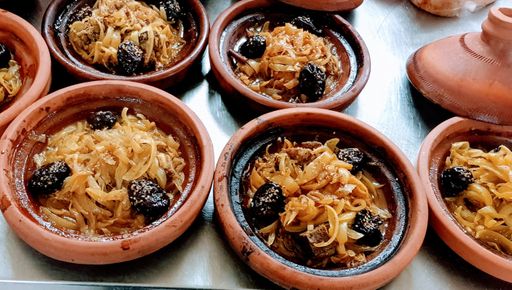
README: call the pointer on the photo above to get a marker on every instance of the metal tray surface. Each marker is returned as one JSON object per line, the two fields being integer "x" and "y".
{"x": 392, "y": 30}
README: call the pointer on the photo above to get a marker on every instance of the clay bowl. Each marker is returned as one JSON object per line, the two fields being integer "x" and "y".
{"x": 432, "y": 156}
{"x": 326, "y": 5}
{"x": 57, "y": 18}
{"x": 73, "y": 103}
{"x": 31, "y": 53}
{"x": 449, "y": 8}
{"x": 230, "y": 27}
{"x": 403, "y": 191}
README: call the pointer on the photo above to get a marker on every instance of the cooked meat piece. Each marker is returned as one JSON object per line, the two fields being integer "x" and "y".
{"x": 311, "y": 144}
{"x": 320, "y": 234}
{"x": 302, "y": 155}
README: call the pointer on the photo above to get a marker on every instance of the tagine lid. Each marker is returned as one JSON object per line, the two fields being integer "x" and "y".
{"x": 469, "y": 74}
{"x": 325, "y": 5}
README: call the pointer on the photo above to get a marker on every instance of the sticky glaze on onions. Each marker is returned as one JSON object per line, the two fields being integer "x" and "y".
{"x": 320, "y": 191}
{"x": 10, "y": 81}
{"x": 94, "y": 199}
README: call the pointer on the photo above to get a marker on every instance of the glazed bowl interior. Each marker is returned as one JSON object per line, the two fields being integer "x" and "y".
{"x": 60, "y": 15}
{"x": 22, "y": 140}
{"x": 31, "y": 53}
{"x": 431, "y": 162}
{"x": 230, "y": 31}
{"x": 387, "y": 165}
{"x": 378, "y": 167}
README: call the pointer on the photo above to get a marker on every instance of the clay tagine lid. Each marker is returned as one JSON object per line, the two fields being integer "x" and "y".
{"x": 469, "y": 74}
{"x": 325, "y": 5}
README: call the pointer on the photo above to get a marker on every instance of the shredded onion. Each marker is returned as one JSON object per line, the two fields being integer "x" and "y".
{"x": 10, "y": 81}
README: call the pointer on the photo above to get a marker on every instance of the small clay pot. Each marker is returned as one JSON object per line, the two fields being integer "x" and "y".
{"x": 57, "y": 18}
{"x": 231, "y": 26}
{"x": 31, "y": 53}
{"x": 326, "y": 5}
{"x": 469, "y": 74}
{"x": 431, "y": 162}
{"x": 450, "y": 8}
{"x": 18, "y": 146}
{"x": 404, "y": 195}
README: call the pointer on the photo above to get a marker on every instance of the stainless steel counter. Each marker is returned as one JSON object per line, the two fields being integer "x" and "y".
{"x": 392, "y": 29}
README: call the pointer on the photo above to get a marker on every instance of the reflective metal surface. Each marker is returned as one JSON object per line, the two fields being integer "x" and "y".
{"x": 392, "y": 29}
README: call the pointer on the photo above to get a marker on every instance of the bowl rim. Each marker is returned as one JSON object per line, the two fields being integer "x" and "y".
{"x": 170, "y": 229}
{"x": 219, "y": 67}
{"x": 286, "y": 276}
{"x": 443, "y": 223}
{"x": 89, "y": 73}
{"x": 42, "y": 80}
{"x": 326, "y": 5}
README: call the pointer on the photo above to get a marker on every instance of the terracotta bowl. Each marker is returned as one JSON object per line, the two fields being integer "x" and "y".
{"x": 326, "y": 5}
{"x": 56, "y": 20}
{"x": 231, "y": 25}
{"x": 73, "y": 103}
{"x": 403, "y": 191}
{"x": 31, "y": 53}
{"x": 432, "y": 156}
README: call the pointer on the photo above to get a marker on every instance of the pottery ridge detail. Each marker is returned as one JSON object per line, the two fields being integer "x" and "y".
{"x": 469, "y": 74}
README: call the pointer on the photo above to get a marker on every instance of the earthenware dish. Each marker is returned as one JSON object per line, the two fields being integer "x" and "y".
{"x": 406, "y": 200}
{"x": 326, "y": 5}
{"x": 231, "y": 26}
{"x": 432, "y": 156}
{"x": 56, "y": 21}
{"x": 469, "y": 74}
{"x": 62, "y": 107}
{"x": 31, "y": 53}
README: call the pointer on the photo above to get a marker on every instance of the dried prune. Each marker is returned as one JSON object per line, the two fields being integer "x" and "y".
{"x": 5, "y": 55}
{"x": 130, "y": 58}
{"x": 306, "y": 23}
{"x": 352, "y": 156}
{"x": 368, "y": 225}
{"x": 148, "y": 198}
{"x": 268, "y": 201}
{"x": 49, "y": 178}
{"x": 102, "y": 120}
{"x": 173, "y": 9}
{"x": 80, "y": 14}
{"x": 254, "y": 47}
{"x": 455, "y": 179}
{"x": 312, "y": 82}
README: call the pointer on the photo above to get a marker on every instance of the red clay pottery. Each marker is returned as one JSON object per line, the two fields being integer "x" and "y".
{"x": 450, "y": 7}
{"x": 469, "y": 74}
{"x": 31, "y": 52}
{"x": 65, "y": 106}
{"x": 407, "y": 201}
{"x": 55, "y": 23}
{"x": 431, "y": 162}
{"x": 230, "y": 27}
{"x": 326, "y": 5}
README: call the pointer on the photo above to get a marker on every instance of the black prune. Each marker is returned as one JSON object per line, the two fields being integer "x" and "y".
{"x": 306, "y": 23}
{"x": 49, "y": 178}
{"x": 368, "y": 225}
{"x": 130, "y": 58}
{"x": 268, "y": 201}
{"x": 148, "y": 198}
{"x": 80, "y": 14}
{"x": 102, "y": 120}
{"x": 352, "y": 156}
{"x": 5, "y": 55}
{"x": 173, "y": 9}
{"x": 455, "y": 179}
{"x": 254, "y": 47}
{"x": 312, "y": 82}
